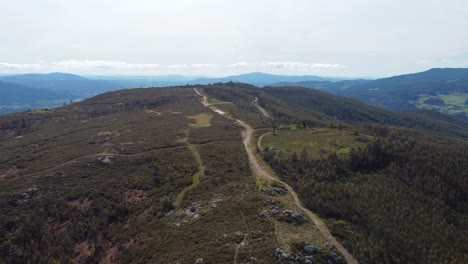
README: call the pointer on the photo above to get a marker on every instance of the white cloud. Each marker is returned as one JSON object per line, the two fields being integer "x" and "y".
{"x": 200, "y": 65}
{"x": 102, "y": 64}
{"x": 300, "y": 65}
{"x": 203, "y": 65}
{"x": 175, "y": 66}
{"x": 15, "y": 66}
{"x": 121, "y": 67}
{"x": 238, "y": 64}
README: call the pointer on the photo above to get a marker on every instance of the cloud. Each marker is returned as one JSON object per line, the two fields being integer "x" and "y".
{"x": 175, "y": 66}
{"x": 15, "y": 66}
{"x": 77, "y": 65}
{"x": 300, "y": 65}
{"x": 201, "y": 65}
{"x": 120, "y": 67}
{"x": 238, "y": 64}
{"x": 102, "y": 64}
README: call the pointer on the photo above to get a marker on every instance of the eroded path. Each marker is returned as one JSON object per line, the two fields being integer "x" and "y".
{"x": 262, "y": 171}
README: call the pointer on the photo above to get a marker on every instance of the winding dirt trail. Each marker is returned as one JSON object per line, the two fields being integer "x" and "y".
{"x": 262, "y": 171}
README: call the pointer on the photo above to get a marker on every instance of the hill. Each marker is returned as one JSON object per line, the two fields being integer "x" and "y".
{"x": 15, "y": 98}
{"x": 443, "y": 90}
{"x": 36, "y": 91}
{"x": 17, "y": 94}
{"x": 352, "y": 111}
{"x": 261, "y": 79}
{"x": 73, "y": 85}
{"x": 146, "y": 81}
{"x": 390, "y": 194}
{"x": 141, "y": 175}
{"x": 154, "y": 175}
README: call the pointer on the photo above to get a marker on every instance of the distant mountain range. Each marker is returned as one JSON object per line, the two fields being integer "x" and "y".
{"x": 263, "y": 79}
{"x": 443, "y": 90}
{"x": 33, "y": 91}
{"x": 69, "y": 84}
{"x": 12, "y": 93}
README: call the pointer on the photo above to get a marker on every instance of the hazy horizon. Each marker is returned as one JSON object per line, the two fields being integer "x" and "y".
{"x": 349, "y": 39}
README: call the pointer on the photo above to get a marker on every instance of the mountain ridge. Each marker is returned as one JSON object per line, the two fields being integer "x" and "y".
{"x": 442, "y": 89}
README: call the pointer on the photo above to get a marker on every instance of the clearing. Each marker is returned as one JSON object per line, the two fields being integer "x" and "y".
{"x": 318, "y": 142}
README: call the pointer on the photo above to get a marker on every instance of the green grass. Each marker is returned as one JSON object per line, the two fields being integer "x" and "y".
{"x": 318, "y": 142}
{"x": 196, "y": 176}
{"x": 453, "y": 103}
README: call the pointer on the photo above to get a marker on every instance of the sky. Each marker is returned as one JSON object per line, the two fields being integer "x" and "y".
{"x": 346, "y": 38}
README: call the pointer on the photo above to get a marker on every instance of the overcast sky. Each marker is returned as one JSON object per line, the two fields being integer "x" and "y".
{"x": 212, "y": 37}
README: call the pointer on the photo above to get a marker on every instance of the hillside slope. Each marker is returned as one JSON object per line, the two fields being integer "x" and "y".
{"x": 389, "y": 194}
{"x": 444, "y": 90}
{"x": 73, "y": 85}
{"x": 15, "y": 98}
{"x": 142, "y": 176}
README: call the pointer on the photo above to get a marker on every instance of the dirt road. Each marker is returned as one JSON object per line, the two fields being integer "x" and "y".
{"x": 262, "y": 171}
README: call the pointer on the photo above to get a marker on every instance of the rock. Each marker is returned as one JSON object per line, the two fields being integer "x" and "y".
{"x": 194, "y": 207}
{"x": 255, "y": 232}
{"x": 24, "y": 197}
{"x": 310, "y": 250}
{"x": 280, "y": 190}
{"x": 278, "y": 251}
{"x": 287, "y": 212}
{"x": 275, "y": 211}
{"x": 107, "y": 160}
{"x": 215, "y": 202}
{"x": 239, "y": 233}
{"x": 199, "y": 261}
{"x": 289, "y": 216}
{"x": 31, "y": 190}
{"x": 299, "y": 218}
{"x": 329, "y": 245}
{"x": 195, "y": 216}
{"x": 171, "y": 212}
{"x": 271, "y": 201}
{"x": 263, "y": 213}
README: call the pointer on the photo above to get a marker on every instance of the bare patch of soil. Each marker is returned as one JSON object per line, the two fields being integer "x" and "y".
{"x": 135, "y": 196}
{"x": 82, "y": 251}
{"x": 81, "y": 204}
{"x": 202, "y": 120}
{"x": 11, "y": 173}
